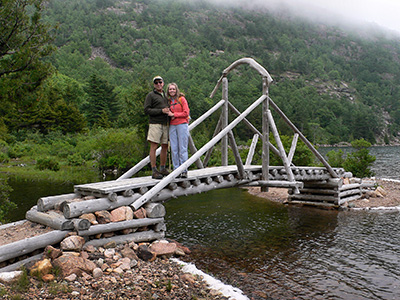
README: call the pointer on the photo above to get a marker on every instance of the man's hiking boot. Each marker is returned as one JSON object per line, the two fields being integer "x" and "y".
{"x": 157, "y": 175}
{"x": 164, "y": 172}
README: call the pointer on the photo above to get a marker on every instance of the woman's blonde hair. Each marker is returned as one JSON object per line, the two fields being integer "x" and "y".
{"x": 178, "y": 92}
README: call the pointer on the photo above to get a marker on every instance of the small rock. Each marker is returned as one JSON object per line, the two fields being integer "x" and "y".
{"x": 179, "y": 252}
{"x": 111, "y": 244}
{"x": 89, "y": 248}
{"x": 128, "y": 252}
{"x": 72, "y": 243}
{"x": 74, "y": 265}
{"x": 140, "y": 213}
{"x": 90, "y": 217}
{"x": 103, "y": 216}
{"x": 41, "y": 268}
{"x": 118, "y": 271}
{"x": 122, "y": 213}
{"x": 71, "y": 278}
{"x": 125, "y": 263}
{"x": 163, "y": 248}
{"x": 381, "y": 191}
{"x": 48, "y": 277}
{"x": 52, "y": 252}
{"x": 8, "y": 277}
{"x": 109, "y": 253}
{"x": 97, "y": 273}
{"x": 145, "y": 254}
{"x": 189, "y": 278}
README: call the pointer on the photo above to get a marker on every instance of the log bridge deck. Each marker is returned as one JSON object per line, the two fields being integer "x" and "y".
{"x": 203, "y": 180}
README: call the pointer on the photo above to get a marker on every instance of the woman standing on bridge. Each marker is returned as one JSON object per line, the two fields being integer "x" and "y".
{"x": 179, "y": 126}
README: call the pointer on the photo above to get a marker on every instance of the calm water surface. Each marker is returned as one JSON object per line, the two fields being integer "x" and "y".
{"x": 271, "y": 251}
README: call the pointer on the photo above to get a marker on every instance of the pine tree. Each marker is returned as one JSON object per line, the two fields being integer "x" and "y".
{"x": 102, "y": 100}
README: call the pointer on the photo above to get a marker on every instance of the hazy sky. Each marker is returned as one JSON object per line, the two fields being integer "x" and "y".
{"x": 385, "y": 13}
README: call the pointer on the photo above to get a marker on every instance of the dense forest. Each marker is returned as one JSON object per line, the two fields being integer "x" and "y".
{"x": 78, "y": 66}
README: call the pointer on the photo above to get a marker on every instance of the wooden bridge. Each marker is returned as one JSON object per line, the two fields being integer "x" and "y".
{"x": 319, "y": 186}
{"x": 313, "y": 186}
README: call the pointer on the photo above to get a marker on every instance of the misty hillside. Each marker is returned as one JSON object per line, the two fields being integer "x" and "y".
{"x": 335, "y": 85}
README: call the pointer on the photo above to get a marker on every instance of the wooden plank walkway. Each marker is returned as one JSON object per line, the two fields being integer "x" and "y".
{"x": 275, "y": 173}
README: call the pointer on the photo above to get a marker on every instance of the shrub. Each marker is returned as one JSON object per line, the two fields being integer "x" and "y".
{"x": 47, "y": 163}
{"x": 336, "y": 159}
{"x": 360, "y": 161}
{"x": 75, "y": 160}
{"x": 5, "y": 204}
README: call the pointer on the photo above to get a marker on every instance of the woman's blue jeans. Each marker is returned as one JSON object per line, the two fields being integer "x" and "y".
{"x": 179, "y": 137}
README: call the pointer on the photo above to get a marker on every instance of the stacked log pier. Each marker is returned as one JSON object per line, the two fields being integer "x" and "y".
{"x": 329, "y": 193}
{"x": 118, "y": 224}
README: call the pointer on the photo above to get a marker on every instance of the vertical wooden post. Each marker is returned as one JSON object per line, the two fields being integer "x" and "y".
{"x": 224, "y": 115}
{"x": 265, "y": 135}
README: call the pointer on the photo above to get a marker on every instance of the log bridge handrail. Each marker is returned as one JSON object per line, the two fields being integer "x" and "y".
{"x": 223, "y": 133}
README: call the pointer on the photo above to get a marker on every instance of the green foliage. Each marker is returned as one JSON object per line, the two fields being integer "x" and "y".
{"x": 101, "y": 107}
{"x": 302, "y": 156}
{"x": 118, "y": 149}
{"x": 335, "y": 158}
{"x": 24, "y": 42}
{"x": 48, "y": 163}
{"x": 75, "y": 160}
{"x": 6, "y": 206}
{"x": 22, "y": 284}
{"x": 360, "y": 161}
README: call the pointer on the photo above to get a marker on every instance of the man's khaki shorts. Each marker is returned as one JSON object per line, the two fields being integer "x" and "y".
{"x": 158, "y": 133}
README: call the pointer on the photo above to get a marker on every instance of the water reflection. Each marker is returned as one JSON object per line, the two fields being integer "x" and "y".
{"x": 272, "y": 251}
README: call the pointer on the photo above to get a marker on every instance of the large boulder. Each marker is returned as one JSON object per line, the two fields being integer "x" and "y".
{"x": 74, "y": 265}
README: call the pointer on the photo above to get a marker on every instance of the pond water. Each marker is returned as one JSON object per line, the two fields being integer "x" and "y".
{"x": 272, "y": 251}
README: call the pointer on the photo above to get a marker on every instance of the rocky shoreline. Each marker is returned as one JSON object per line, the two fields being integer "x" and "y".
{"x": 126, "y": 271}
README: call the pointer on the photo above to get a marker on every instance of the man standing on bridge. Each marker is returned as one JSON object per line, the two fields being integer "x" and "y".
{"x": 156, "y": 106}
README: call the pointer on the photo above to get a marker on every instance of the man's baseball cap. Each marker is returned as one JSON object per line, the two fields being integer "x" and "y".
{"x": 158, "y": 78}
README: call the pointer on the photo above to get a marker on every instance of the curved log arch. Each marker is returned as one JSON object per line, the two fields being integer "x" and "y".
{"x": 246, "y": 60}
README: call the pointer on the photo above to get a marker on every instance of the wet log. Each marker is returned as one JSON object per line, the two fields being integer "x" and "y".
{"x": 116, "y": 226}
{"x": 50, "y": 218}
{"x": 154, "y": 210}
{"x": 348, "y": 199}
{"x": 317, "y": 198}
{"x": 278, "y": 184}
{"x": 49, "y": 203}
{"x": 29, "y": 245}
{"x": 143, "y": 236}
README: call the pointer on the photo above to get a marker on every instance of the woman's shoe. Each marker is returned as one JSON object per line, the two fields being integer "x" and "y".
{"x": 184, "y": 175}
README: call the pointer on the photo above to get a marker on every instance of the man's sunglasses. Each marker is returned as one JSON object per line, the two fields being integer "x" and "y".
{"x": 157, "y": 82}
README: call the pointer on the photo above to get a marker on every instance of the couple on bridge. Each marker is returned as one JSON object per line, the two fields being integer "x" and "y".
{"x": 168, "y": 118}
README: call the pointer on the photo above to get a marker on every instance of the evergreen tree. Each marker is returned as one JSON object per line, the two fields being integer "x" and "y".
{"x": 102, "y": 102}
